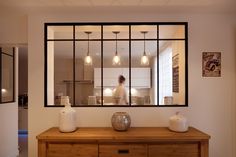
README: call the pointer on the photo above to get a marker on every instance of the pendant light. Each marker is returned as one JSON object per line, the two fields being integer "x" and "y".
{"x": 88, "y": 59}
{"x": 144, "y": 58}
{"x": 116, "y": 58}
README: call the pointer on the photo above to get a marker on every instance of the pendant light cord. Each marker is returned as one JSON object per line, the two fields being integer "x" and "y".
{"x": 116, "y": 32}
{"x": 88, "y": 45}
{"x": 116, "y": 44}
{"x": 144, "y": 43}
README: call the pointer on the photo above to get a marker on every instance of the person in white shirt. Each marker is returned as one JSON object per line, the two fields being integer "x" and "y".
{"x": 120, "y": 94}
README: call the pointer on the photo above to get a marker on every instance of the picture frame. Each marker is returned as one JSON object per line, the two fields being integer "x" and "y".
{"x": 175, "y": 73}
{"x": 211, "y": 64}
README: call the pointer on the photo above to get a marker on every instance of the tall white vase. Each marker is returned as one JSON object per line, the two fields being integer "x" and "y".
{"x": 67, "y": 117}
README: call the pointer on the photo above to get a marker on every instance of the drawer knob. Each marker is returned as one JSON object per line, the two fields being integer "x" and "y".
{"x": 123, "y": 151}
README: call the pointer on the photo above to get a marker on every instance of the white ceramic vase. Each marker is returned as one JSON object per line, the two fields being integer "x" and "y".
{"x": 67, "y": 117}
{"x": 178, "y": 123}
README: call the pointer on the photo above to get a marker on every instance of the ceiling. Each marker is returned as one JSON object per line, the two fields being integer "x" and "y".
{"x": 25, "y": 7}
{"x": 92, "y": 3}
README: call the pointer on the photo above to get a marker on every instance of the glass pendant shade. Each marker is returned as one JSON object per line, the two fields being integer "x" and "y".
{"x": 116, "y": 59}
{"x": 88, "y": 59}
{"x": 144, "y": 58}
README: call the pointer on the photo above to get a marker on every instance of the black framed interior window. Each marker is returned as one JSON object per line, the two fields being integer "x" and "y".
{"x": 7, "y": 74}
{"x": 116, "y": 64}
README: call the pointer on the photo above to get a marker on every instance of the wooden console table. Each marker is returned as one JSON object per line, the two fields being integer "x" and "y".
{"x": 136, "y": 142}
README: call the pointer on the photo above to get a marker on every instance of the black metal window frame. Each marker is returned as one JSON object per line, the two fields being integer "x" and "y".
{"x": 13, "y": 57}
{"x": 129, "y": 24}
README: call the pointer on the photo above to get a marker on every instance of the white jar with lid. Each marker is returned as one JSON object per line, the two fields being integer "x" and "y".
{"x": 67, "y": 117}
{"x": 178, "y": 123}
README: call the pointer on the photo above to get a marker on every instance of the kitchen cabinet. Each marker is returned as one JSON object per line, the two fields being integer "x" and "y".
{"x": 136, "y": 142}
{"x": 140, "y": 77}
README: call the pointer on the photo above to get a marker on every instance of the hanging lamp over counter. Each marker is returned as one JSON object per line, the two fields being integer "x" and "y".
{"x": 144, "y": 58}
{"x": 116, "y": 59}
{"x": 88, "y": 59}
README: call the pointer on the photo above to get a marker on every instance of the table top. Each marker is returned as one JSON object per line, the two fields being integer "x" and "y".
{"x": 134, "y": 133}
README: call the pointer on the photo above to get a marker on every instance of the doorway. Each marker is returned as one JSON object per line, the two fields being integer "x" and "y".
{"x": 23, "y": 101}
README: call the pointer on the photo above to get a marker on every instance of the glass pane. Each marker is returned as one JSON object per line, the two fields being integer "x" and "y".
{"x": 108, "y": 32}
{"x": 7, "y": 78}
{"x": 115, "y": 76}
{"x": 80, "y": 32}
{"x": 143, "y": 84}
{"x": 88, "y": 73}
{"x": 154, "y": 79}
{"x": 171, "y": 31}
{"x": 60, "y": 32}
{"x": 60, "y": 71}
{"x": 136, "y": 31}
{"x": 172, "y": 73}
{"x": 8, "y": 50}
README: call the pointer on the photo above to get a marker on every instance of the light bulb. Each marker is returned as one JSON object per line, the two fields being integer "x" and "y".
{"x": 4, "y": 90}
{"x": 88, "y": 60}
{"x": 107, "y": 92}
{"x": 144, "y": 60}
{"x": 133, "y": 91}
{"x": 116, "y": 60}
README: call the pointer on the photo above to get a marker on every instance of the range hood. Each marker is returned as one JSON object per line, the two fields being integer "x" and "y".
{"x": 85, "y": 77}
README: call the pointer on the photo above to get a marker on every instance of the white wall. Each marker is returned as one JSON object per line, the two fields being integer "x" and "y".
{"x": 211, "y": 100}
{"x": 234, "y": 102}
{"x": 13, "y": 31}
{"x": 9, "y": 123}
{"x": 13, "y": 28}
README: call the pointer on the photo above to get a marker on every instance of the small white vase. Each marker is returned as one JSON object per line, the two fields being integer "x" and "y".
{"x": 178, "y": 123}
{"x": 67, "y": 117}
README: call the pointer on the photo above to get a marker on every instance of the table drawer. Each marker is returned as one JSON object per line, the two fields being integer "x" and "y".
{"x": 174, "y": 150}
{"x": 127, "y": 150}
{"x": 72, "y": 150}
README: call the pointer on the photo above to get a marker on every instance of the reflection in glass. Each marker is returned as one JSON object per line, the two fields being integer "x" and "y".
{"x": 7, "y": 78}
{"x": 79, "y": 32}
{"x": 88, "y": 59}
{"x": 94, "y": 68}
{"x": 88, "y": 78}
{"x": 172, "y": 73}
{"x": 8, "y": 50}
{"x": 115, "y": 78}
{"x": 60, "y": 32}
{"x": 171, "y": 32}
{"x": 108, "y": 31}
{"x": 151, "y": 29}
{"x": 144, "y": 58}
{"x": 143, "y": 84}
{"x": 116, "y": 58}
{"x": 60, "y": 71}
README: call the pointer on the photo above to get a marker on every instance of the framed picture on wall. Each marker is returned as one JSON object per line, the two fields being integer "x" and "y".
{"x": 175, "y": 73}
{"x": 211, "y": 64}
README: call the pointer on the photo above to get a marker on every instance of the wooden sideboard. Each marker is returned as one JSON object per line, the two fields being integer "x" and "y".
{"x": 136, "y": 142}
